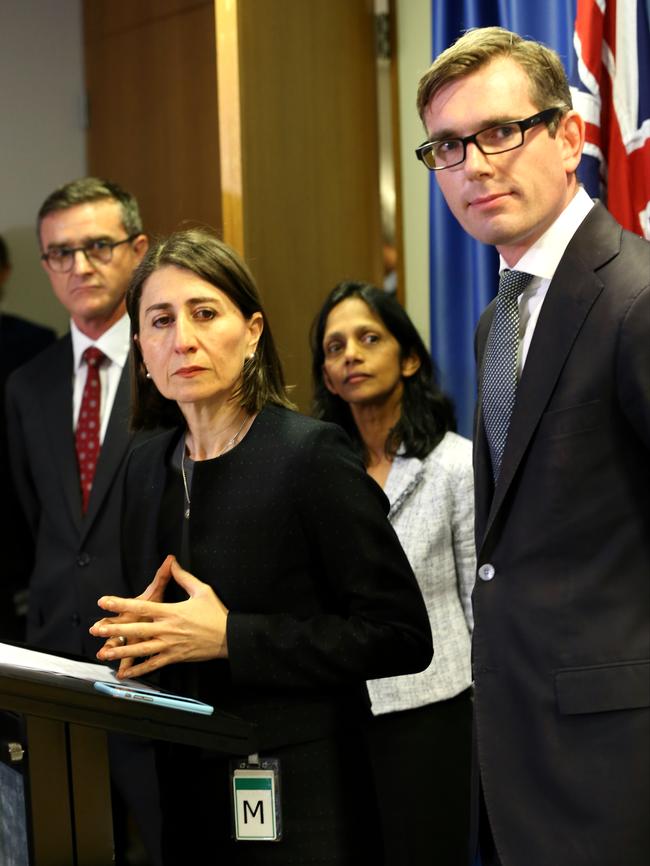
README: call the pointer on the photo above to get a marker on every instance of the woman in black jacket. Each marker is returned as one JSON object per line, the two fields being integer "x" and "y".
{"x": 282, "y": 586}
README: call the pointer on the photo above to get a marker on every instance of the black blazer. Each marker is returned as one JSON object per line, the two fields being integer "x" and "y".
{"x": 562, "y": 632}
{"x": 20, "y": 341}
{"x": 76, "y": 556}
{"x": 292, "y": 535}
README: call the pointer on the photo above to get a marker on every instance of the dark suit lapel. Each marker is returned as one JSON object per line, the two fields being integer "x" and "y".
{"x": 57, "y": 413}
{"x": 114, "y": 448}
{"x": 483, "y": 483}
{"x": 573, "y": 290}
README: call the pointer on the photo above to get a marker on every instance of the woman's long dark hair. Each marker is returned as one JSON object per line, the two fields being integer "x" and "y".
{"x": 427, "y": 414}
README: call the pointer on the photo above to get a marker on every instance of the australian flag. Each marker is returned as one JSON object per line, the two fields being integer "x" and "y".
{"x": 611, "y": 90}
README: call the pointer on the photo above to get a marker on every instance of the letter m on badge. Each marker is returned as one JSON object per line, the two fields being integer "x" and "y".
{"x": 254, "y": 800}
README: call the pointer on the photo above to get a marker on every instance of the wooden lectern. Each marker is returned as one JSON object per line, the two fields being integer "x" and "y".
{"x": 67, "y": 776}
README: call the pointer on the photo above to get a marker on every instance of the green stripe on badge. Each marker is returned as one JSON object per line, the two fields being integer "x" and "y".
{"x": 253, "y": 784}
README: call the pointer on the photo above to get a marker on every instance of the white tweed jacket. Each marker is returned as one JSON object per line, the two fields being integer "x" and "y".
{"x": 432, "y": 511}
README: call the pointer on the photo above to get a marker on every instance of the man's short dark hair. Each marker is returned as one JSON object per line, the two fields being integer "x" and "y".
{"x": 91, "y": 189}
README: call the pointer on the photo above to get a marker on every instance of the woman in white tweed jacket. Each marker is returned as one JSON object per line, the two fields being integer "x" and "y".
{"x": 374, "y": 376}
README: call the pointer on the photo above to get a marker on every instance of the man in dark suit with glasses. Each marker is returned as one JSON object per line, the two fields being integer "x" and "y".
{"x": 562, "y": 466}
{"x": 68, "y": 414}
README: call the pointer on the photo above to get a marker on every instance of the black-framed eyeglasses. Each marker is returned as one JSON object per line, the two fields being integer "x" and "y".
{"x": 449, "y": 152}
{"x": 61, "y": 259}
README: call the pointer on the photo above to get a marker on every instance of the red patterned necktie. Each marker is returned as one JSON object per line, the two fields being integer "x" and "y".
{"x": 88, "y": 424}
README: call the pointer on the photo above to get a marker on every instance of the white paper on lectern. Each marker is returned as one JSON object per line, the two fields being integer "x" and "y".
{"x": 19, "y": 657}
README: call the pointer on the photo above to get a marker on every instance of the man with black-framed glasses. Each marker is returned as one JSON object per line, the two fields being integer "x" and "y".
{"x": 498, "y": 138}
{"x": 561, "y": 644}
{"x": 67, "y": 415}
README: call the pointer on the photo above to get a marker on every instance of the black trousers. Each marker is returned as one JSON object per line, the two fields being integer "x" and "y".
{"x": 328, "y": 807}
{"x": 422, "y": 766}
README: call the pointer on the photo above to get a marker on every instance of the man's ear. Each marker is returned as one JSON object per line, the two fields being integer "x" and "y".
{"x": 410, "y": 365}
{"x": 140, "y": 246}
{"x": 5, "y": 273}
{"x": 571, "y": 135}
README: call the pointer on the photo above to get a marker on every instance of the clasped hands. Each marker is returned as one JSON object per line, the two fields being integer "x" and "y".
{"x": 162, "y": 633}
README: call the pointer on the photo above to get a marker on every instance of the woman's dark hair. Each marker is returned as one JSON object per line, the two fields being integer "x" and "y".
{"x": 427, "y": 413}
{"x": 203, "y": 254}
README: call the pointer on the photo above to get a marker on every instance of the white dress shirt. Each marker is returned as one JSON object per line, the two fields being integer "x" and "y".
{"x": 541, "y": 260}
{"x": 114, "y": 343}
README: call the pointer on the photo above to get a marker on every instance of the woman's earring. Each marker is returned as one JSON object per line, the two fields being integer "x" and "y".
{"x": 148, "y": 374}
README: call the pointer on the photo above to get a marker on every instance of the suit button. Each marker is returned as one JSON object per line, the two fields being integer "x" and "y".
{"x": 75, "y": 619}
{"x": 83, "y": 559}
{"x": 486, "y": 572}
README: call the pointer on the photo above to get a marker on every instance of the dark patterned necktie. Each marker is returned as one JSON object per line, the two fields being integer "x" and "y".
{"x": 88, "y": 424}
{"x": 500, "y": 367}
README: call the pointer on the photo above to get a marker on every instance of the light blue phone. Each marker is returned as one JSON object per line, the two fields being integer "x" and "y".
{"x": 154, "y": 698}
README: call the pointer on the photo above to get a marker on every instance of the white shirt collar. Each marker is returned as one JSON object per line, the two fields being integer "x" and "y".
{"x": 114, "y": 343}
{"x": 542, "y": 259}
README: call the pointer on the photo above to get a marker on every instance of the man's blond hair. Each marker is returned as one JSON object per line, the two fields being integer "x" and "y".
{"x": 549, "y": 87}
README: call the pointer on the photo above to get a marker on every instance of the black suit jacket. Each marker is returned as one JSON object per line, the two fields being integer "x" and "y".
{"x": 20, "y": 341}
{"x": 562, "y": 632}
{"x": 292, "y": 534}
{"x": 77, "y": 557}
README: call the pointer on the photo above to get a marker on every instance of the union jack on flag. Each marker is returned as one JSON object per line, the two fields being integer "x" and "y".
{"x": 611, "y": 90}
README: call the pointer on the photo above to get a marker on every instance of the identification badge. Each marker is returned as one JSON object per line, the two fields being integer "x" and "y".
{"x": 257, "y": 815}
